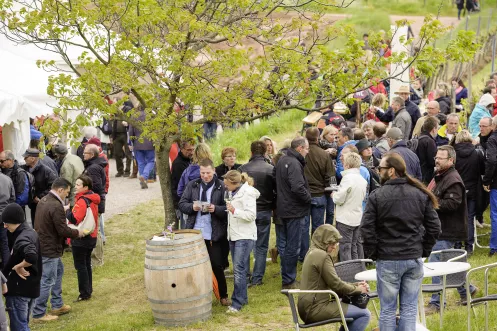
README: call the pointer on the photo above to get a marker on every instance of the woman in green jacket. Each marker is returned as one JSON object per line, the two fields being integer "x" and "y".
{"x": 318, "y": 273}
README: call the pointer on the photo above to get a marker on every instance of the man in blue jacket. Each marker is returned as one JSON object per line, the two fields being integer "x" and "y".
{"x": 399, "y": 146}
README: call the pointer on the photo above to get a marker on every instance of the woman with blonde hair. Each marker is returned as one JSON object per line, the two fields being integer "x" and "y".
{"x": 242, "y": 231}
{"x": 201, "y": 152}
{"x": 270, "y": 148}
{"x": 327, "y": 140}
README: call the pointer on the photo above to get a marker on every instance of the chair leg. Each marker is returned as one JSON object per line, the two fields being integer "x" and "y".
{"x": 375, "y": 310}
{"x": 442, "y": 303}
{"x": 297, "y": 328}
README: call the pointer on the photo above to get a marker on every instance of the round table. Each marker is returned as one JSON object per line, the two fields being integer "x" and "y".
{"x": 431, "y": 269}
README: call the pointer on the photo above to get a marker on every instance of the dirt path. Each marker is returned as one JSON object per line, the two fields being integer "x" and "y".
{"x": 417, "y": 22}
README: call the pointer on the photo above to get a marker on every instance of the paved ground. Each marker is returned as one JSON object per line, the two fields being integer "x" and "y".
{"x": 125, "y": 193}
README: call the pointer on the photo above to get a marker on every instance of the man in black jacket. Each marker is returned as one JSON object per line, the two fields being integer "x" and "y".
{"x": 179, "y": 165}
{"x": 24, "y": 269}
{"x": 264, "y": 182}
{"x": 443, "y": 100}
{"x": 43, "y": 175}
{"x": 450, "y": 191}
{"x": 490, "y": 184}
{"x": 95, "y": 169}
{"x": 399, "y": 227}
{"x": 292, "y": 205}
{"x": 427, "y": 148}
{"x": 486, "y": 128}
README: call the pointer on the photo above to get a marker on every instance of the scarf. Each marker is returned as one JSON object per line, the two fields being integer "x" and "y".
{"x": 205, "y": 188}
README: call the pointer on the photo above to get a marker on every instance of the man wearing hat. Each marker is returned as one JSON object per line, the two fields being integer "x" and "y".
{"x": 71, "y": 167}
{"x": 402, "y": 119}
{"x": 404, "y": 92}
{"x": 24, "y": 268}
{"x": 399, "y": 146}
{"x": 43, "y": 176}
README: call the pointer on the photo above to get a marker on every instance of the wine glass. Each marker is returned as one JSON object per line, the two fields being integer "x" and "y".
{"x": 227, "y": 198}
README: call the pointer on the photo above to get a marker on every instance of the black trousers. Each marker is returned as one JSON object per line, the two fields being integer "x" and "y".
{"x": 215, "y": 250}
{"x": 82, "y": 263}
{"x": 121, "y": 150}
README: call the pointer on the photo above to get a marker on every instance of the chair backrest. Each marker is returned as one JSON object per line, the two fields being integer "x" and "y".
{"x": 454, "y": 255}
{"x": 293, "y": 307}
{"x": 347, "y": 270}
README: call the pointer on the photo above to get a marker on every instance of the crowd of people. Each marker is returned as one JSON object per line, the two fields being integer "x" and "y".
{"x": 337, "y": 192}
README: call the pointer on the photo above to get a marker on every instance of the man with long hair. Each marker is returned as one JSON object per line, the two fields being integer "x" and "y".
{"x": 399, "y": 227}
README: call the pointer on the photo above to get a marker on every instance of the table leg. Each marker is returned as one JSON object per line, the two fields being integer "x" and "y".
{"x": 421, "y": 307}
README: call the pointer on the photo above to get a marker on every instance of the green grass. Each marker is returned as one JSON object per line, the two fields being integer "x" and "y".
{"x": 119, "y": 301}
{"x": 278, "y": 127}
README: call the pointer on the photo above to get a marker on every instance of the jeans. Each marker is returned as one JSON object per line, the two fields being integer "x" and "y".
{"x": 493, "y": 220}
{"x": 291, "y": 228}
{"x": 263, "y": 222}
{"x": 399, "y": 278}
{"x": 350, "y": 246}
{"x": 330, "y": 209}
{"x": 51, "y": 283}
{"x": 361, "y": 318}
{"x": 19, "y": 309}
{"x": 318, "y": 207}
{"x": 101, "y": 226}
{"x": 82, "y": 264}
{"x": 146, "y": 162}
{"x": 280, "y": 238}
{"x": 240, "y": 251}
{"x": 210, "y": 129}
{"x": 441, "y": 245}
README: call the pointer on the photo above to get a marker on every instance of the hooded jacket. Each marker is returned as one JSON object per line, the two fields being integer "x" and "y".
{"x": 318, "y": 273}
{"x": 470, "y": 165}
{"x": 18, "y": 177}
{"x": 95, "y": 169}
{"x": 77, "y": 214}
{"x": 442, "y": 138}
{"x": 25, "y": 246}
{"x": 241, "y": 223}
{"x": 192, "y": 172}
{"x": 478, "y": 113}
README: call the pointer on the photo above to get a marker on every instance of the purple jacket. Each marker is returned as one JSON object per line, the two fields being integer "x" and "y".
{"x": 190, "y": 173}
{"x": 134, "y": 137}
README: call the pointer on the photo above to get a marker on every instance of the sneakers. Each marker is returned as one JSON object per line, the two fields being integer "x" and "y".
{"x": 46, "y": 318}
{"x": 232, "y": 310}
{"x": 143, "y": 182}
{"x": 274, "y": 254}
{"x": 225, "y": 302}
{"x": 431, "y": 309}
{"x": 61, "y": 311}
{"x": 293, "y": 286}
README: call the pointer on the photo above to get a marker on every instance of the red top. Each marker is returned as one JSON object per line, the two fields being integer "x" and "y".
{"x": 79, "y": 210}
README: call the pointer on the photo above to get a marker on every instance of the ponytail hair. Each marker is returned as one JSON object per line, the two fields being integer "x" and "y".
{"x": 394, "y": 160}
{"x": 235, "y": 177}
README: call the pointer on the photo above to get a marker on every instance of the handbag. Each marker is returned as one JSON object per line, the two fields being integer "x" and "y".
{"x": 358, "y": 300}
{"x": 88, "y": 223}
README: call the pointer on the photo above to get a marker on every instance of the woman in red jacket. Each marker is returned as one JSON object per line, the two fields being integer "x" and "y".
{"x": 82, "y": 247}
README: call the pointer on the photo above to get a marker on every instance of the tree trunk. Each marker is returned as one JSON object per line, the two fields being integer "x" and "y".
{"x": 163, "y": 169}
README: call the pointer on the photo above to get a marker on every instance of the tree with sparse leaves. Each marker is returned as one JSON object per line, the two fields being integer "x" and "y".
{"x": 230, "y": 60}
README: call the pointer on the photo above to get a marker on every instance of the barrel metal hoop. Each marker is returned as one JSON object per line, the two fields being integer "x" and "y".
{"x": 178, "y": 266}
{"x": 203, "y": 296}
{"x": 159, "y": 257}
{"x": 162, "y": 249}
{"x": 174, "y": 242}
{"x": 180, "y": 311}
{"x": 168, "y": 322}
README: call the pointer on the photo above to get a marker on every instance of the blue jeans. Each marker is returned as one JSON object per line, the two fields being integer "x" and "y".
{"x": 361, "y": 318}
{"x": 330, "y": 209}
{"x": 240, "y": 251}
{"x": 51, "y": 282}
{"x": 146, "y": 162}
{"x": 263, "y": 222}
{"x": 210, "y": 129}
{"x": 280, "y": 238}
{"x": 399, "y": 278}
{"x": 441, "y": 245}
{"x": 318, "y": 207}
{"x": 19, "y": 309}
{"x": 493, "y": 220}
{"x": 291, "y": 228}
{"x": 101, "y": 226}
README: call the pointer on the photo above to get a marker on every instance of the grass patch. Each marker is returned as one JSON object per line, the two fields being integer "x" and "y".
{"x": 278, "y": 127}
{"x": 119, "y": 301}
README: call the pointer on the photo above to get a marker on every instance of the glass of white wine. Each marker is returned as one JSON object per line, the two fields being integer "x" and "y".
{"x": 227, "y": 198}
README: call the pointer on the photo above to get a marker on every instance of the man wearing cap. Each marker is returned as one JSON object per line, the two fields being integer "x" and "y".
{"x": 24, "y": 268}
{"x": 402, "y": 119}
{"x": 483, "y": 109}
{"x": 404, "y": 92}
{"x": 399, "y": 146}
{"x": 43, "y": 177}
{"x": 71, "y": 167}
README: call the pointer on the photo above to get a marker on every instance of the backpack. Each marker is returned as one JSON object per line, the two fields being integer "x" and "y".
{"x": 27, "y": 194}
{"x": 106, "y": 127}
{"x": 413, "y": 144}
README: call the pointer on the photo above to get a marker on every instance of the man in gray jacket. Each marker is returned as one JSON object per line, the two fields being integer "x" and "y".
{"x": 7, "y": 195}
{"x": 402, "y": 119}
{"x": 71, "y": 167}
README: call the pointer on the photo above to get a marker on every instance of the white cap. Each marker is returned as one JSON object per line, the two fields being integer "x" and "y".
{"x": 486, "y": 99}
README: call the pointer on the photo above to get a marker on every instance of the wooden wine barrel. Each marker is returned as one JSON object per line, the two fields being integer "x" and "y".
{"x": 178, "y": 279}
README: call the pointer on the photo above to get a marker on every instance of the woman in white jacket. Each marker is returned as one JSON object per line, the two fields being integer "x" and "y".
{"x": 242, "y": 231}
{"x": 348, "y": 200}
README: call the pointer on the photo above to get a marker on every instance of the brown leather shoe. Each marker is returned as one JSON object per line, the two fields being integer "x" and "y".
{"x": 225, "y": 302}
{"x": 133, "y": 176}
{"x": 46, "y": 318}
{"x": 61, "y": 311}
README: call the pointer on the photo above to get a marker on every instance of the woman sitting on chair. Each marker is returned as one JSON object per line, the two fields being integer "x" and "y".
{"x": 318, "y": 273}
